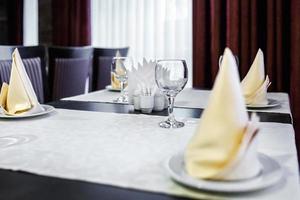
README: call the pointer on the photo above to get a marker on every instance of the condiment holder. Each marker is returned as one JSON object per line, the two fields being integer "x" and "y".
{"x": 147, "y": 100}
{"x": 146, "y": 103}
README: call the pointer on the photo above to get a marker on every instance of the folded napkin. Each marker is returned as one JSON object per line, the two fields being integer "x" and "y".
{"x": 224, "y": 144}
{"x": 143, "y": 75}
{"x": 255, "y": 84}
{"x": 18, "y": 97}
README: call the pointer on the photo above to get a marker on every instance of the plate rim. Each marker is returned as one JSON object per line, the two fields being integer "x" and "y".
{"x": 274, "y": 103}
{"x": 48, "y": 109}
{"x": 109, "y": 87}
{"x": 178, "y": 178}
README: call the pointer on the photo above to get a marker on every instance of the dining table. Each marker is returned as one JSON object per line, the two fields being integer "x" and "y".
{"x": 92, "y": 148}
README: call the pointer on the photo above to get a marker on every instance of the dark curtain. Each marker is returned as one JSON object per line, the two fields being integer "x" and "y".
{"x": 244, "y": 26}
{"x": 71, "y": 20}
{"x": 14, "y": 22}
{"x": 295, "y": 67}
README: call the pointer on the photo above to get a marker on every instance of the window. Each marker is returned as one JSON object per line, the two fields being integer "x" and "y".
{"x": 154, "y": 29}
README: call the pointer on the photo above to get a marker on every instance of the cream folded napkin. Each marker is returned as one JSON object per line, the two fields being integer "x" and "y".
{"x": 18, "y": 97}
{"x": 224, "y": 144}
{"x": 255, "y": 84}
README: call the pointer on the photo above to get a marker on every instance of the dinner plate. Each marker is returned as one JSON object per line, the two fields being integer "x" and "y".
{"x": 271, "y": 103}
{"x": 47, "y": 109}
{"x": 110, "y": 88}
{"x": 270, "y": 174}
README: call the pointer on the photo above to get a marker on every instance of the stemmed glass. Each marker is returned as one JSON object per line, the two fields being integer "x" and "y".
{"x": 171, "y": 76}
{"x": 119, "y": 68}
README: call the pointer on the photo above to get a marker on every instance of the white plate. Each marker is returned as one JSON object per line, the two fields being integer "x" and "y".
{"x": 270, "y": 175}
{"x": 110, "y": 88}
{"x": 48, "y": 109}
{"x": 271, "y": 103}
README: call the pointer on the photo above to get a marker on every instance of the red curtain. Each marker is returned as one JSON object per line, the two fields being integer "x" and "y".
{"x": 244, "y": 26}
{"x": 295, "y": 66}
{"x": 14, "y": 22}
{"x": 71, "y": 20}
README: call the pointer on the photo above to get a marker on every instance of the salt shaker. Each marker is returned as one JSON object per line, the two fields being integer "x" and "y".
{"x": 146, "y": 103}
{"x": 136, "y": 99}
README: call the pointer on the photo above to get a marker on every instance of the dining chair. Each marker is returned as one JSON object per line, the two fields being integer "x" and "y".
{"x": 5, "y": 66}
{"x": 69, "y": 69}
{"x": 34, "y": 60}
{"x": 101, "y": 66}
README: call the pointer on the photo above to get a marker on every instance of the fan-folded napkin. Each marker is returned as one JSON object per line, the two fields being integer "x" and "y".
{"x": 255, "y": 83}
{"x": 143, "y": 76}
{"x": 18, "y": 97}
{"x": 224, "y": 144}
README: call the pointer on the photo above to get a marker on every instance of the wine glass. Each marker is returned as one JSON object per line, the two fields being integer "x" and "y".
{"x": 171, "y": 76}
{"x": 119, "y": 68}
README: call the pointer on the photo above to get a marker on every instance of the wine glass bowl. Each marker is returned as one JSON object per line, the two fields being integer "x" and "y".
{"x": 171, "y": 77}
{"x": 119, "y": 68}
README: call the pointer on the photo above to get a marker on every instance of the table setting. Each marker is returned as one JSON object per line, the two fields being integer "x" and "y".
{"x": 227, "y": 153}
{"x": 254, "y": 86}
{"x": 18, "y": 99}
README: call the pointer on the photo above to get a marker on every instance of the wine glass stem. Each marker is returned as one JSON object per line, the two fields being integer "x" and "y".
{"x": 122, "y": 88}
{"x": 171, "y": 117}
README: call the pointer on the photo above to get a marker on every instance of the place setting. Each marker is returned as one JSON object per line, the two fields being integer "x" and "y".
{"x": 222, "y": 154}
{"x": 18, "y": 99}
{"x": 255, "y": 85}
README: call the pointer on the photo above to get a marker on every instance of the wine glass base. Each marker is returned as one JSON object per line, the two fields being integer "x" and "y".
{"x": 169, "y": 124}
{"x": 121, "y": 100}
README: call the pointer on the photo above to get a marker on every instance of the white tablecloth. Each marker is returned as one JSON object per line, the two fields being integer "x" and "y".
{"x": 188, "y": 98}
{"x": 128, "y": 150}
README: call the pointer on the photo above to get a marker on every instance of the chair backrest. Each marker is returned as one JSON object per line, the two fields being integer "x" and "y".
{"x": 25, "y": 52}
{"x": 111, "y": 52}
{"x": 29, "y": 52}
{"x": 70, "y": 77}
{"x": 5, "y": 66}
{"x": 102, "y": 64}
{"x": 33, "y": 69}
{"x": 69, "y": 69}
